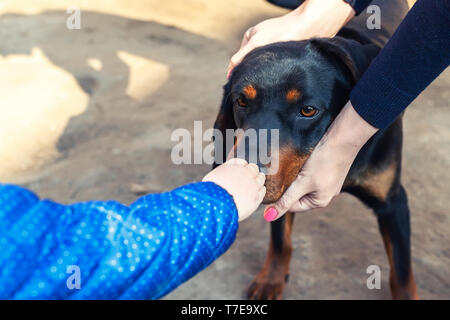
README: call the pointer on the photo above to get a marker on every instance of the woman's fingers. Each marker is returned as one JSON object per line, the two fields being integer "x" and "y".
{"x": 238, "y": 57}
{"x": 247, "y": 36}
{"x": 245, "y": 48}
{"x": 295, "y": 191}
{"x": 310, "y": 19}
{"x": 304, "y": 204}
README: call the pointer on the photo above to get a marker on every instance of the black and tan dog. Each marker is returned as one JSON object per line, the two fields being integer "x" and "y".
{"x": 299, "y": 88}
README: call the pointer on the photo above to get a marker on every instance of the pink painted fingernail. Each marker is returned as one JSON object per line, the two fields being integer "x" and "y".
{"x": 270, "y": 214}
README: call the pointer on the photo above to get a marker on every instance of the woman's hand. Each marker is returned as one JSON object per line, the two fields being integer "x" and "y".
{"x": 323, "y": 174}
{"x": 243, "y": 181}
{"x": 314, "y": 18}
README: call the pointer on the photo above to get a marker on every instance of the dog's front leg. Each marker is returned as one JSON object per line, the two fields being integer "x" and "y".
{"x": 271, "y": 280}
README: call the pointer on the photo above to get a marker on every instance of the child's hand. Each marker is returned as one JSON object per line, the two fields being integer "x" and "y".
{"x": 243, "y": 181}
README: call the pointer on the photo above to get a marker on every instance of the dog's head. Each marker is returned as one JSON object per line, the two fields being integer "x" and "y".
{"x": 295, "y": 87}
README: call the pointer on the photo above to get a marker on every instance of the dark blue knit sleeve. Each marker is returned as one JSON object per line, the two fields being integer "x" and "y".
{"x": 117, "y": 252}
{"x": 358, "y": 5}
{"x": 416, "y": 54}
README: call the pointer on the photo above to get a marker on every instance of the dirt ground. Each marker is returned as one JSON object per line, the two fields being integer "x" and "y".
{"x": 85, "y": 113}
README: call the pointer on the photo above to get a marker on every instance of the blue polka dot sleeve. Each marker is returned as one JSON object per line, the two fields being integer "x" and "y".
{"x": 106, "y": 250}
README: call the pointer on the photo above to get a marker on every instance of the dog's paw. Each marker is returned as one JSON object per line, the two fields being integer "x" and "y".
{"x": 267, "y": 287}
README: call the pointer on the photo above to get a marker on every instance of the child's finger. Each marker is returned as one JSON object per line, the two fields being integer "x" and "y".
{"x": 253, "y": 168}
{"x": 261, "y": 194}
{"x": 261, "y": 178}
{"x": 237, "y": 161}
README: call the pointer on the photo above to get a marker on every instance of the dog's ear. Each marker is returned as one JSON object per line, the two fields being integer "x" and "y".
{"x": 224, "y": 121}
{"x": 355, "y": 56}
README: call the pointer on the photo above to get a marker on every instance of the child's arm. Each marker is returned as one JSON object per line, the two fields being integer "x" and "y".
{"x": 137, "y": 252}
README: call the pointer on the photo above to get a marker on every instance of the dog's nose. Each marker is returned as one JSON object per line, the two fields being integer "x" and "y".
{"x": 248, "y": 150}
{"x": 239, "y": 143}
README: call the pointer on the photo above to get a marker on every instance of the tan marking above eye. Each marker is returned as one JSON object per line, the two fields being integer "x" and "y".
{"x": 293, "y": 95}
{"x": 308, "y": 111}
{"x": 249, "y": 91}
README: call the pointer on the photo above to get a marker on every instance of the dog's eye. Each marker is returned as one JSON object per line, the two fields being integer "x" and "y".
{"x": 241, "y": 103}
{"x": 308, "y": 111}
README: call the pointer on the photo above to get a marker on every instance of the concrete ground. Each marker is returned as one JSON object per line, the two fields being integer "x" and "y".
{"x": 86, "y": 113}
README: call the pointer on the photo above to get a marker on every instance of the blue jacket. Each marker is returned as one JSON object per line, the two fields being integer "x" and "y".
{"x": 109, "y": 250}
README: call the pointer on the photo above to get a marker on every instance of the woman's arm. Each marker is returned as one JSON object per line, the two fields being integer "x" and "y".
{"x": 358, "y": 5}
{"x": 417, "y": 53}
